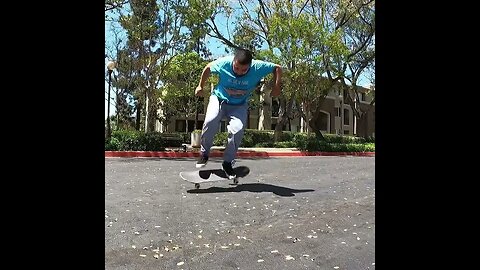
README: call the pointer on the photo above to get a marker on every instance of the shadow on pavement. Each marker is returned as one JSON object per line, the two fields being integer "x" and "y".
{"x": 278, "y": 190}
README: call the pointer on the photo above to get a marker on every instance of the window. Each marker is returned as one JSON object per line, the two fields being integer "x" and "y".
{"x": 346, "y": 117}
{"x": 286, "y": 127}
{"x": 337, "y": 112}
{"x": 363, "y": 97}
{"x": 201, "y": 107}
{"x": 223, "y": 126}
{"x": 275, "y": 107}
{"x": 199, "y": 124}
{"x": 180, "y": 126}
{"x": 346, "y": 132}
{"x": 323, "y": 121}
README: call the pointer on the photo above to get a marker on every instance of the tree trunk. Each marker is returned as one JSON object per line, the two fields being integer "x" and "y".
{"x": 265, "y": 112}
{"x": 152, "y": 117}
{"x": 363, "y": 123}
{"x": 314, "y": 123}
{"x": 196, "y": 111}
{"x": 304, "y": 112}
{"x": 138, "y": 116}
{"x": 282, "y": 116}
{"x": 152, "y": 111}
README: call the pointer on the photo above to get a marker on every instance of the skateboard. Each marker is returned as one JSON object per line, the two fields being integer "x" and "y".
{"x": 208, "y": 175}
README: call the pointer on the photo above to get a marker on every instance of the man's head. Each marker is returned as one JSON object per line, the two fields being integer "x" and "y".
{"x": 242, "y": 61}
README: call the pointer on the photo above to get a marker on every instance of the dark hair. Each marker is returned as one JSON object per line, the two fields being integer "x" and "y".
{"x": 243, "y": 56}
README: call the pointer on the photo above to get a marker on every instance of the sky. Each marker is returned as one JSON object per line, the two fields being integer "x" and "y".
{"x": 216, "y": 48}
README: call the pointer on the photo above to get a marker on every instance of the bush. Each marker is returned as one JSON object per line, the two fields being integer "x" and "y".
{"x": 128, "y": 140}
{"x": 248, "y": 139}
{"x": 220, "y": 139}
{"x": 152, "y": 141}
{"x": 259, "y": 136}
{"x": 112, "y": 145}
{"x": 287, "y": 136}
{"x": 174, "y": 139}
{"x": 276, "y": 144}
{"x": 313, "y": 144}
{"x": 284, "y": 144}
{"x": 265, "y": 144}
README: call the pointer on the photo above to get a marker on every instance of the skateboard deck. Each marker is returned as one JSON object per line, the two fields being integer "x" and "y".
{"x": 211, "y": 175}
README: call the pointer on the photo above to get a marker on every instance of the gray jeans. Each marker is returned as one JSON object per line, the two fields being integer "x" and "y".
{"x": 216, "y": 110}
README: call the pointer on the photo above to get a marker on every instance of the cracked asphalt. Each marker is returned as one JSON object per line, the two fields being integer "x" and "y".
{"x": 287, "y": 213}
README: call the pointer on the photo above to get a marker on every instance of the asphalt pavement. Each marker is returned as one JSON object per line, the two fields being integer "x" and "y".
{"x": 287, "y": 213}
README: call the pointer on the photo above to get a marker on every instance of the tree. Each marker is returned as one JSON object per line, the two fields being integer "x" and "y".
{"x": 181, "y": 77}
{"x": 154, "y": 37}
{"x": 312, "y": 40}
{"x": 122, "y": 83}
{"x": 321, "y": 45}
{"x": 359, "y": 36}
{"x": 288, "y": 34}
{"x": 114, "y": 4}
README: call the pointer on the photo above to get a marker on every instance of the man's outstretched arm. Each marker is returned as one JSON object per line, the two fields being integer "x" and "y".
{"x": 203, "y": 79}
{"x": 277, "y": 80}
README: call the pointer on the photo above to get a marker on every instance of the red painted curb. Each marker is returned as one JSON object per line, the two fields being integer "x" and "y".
{"x": 240, "y": 154}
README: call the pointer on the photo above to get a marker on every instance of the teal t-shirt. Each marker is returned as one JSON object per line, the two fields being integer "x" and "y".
{"x": 237, "y": 89}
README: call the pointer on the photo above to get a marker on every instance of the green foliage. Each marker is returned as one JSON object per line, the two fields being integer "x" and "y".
{"x": 220, "y": 139}
{"x": 271, "y": 144}
{"x": 260, "y": 135}
{"x": 308, "y": 39}
{"x": 158, "y": 31}
{"x": 127, "y": 140}
{"x": 265, "y": 144}
{"x": 247, "y": 140}
{"x": 286, "y": 144}
{"x": 184, "y": 68}
{"x": 151, "y": 141}
{"x": 173, "y": 139}
{"x": 181, "y": 78}
{"x": 287, "y": 136}
{"x": 154, "y": 141}
{"x": 112, "y": 145}
{"x": 302, "y": 141}
{"x": 333, "y": 143}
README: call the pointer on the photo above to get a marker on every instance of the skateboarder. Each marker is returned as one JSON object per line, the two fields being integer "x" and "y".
{"x": 239, "y": 75}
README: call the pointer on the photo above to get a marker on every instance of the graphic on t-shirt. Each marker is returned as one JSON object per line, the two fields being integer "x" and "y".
{"x": 235, "y": 92}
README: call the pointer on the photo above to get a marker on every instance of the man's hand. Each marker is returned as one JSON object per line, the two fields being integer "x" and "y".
{"x": 199, "y": 91}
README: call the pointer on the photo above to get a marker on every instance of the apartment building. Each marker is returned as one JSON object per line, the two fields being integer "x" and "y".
{"x": 336, "y": 117}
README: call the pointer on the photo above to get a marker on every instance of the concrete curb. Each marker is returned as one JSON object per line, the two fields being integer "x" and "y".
{"x": 240, "y": 154}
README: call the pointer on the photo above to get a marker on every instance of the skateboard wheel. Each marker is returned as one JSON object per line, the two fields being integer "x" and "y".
{"x": 235, "y": 181}
{"x": 197, "y": 186}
